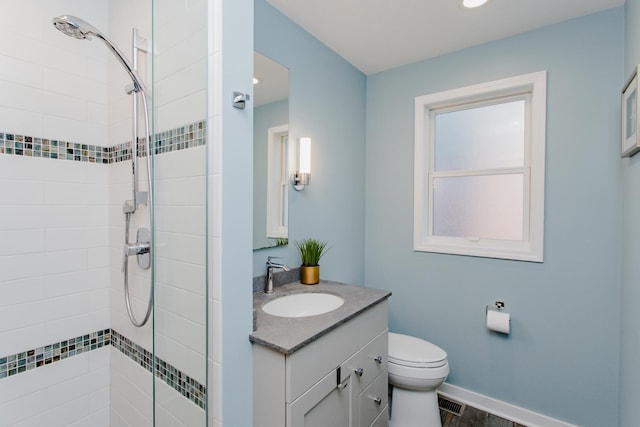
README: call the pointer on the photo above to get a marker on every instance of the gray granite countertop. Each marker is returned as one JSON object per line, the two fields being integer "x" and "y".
{"x": 289, "y": 334}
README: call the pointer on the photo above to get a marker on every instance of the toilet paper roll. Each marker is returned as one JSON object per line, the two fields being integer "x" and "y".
{"x": 498, "y": 321}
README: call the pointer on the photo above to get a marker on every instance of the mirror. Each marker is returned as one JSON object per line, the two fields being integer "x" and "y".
{"x": 270, "y": 153}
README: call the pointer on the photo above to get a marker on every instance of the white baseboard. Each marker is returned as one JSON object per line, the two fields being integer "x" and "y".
{"x": 499, "y": 408}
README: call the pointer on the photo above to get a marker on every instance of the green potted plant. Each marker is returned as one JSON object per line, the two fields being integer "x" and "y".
{"x": 311, "y": 250}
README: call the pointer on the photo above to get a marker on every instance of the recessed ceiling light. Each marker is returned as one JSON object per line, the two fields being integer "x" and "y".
{"x": 256, "y": 81}
{"x": 473, "y": 3}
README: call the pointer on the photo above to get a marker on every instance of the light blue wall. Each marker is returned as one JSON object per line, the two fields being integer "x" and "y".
{"x": 237, "y": 202}
{"x": 562, "y": 357}
{"x": 327, "y": 103}
{"x": 630, "y": 312}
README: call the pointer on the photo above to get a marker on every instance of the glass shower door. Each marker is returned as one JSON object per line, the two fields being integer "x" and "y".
{"x": 180, "y": 177}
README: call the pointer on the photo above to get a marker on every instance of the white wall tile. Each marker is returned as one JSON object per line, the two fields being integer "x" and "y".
{"x": 64, "y": 261}
{"x": 60, "y": 416}
{"x": 66, "y": 193}
{"x": 188, "y": 305}
{"x": 183, "y": 52}
{"x": 181, "y": 83}
{"x": 187, "y": 360}
{"x": 187, "y": 276}
{"x": 76, "y": 325}
{"x": 215, "y": 149}
{"x": 215, "y": 384}
{"x": 215, "y": 209}
{"x": 86, "y": 88}
{"x": 76, "y": 282}
{"x": 173, "y": 410}
{"x": 99, "y": 400}
{"x": 21, "y": 122}
{"x": 98, "y": 257}
{"x": 99, "y": 418}
{"x": 14, "y": 411}
{"x": 84, "y": 132}
{"x": 22, "y": 266}
{"x": 18, "y": 339}
{"x": 22, "y": 291}
{"x": 76, "y": 388}
{"x": 182, "y": 219}
{"x": 182, "y": 331}
{"x": 181, "y": 164}
{"x": 59, "y": 239}
{"x": 183, "y": 191}
{"x": 131, "y": 387}
{"x": 21, "y": 72}
{"x": 14, "y": 242}
{"x": 40, "y": 101}
{"x": 21, "y": 192}
{"x": 215, "y": 278}
{"x": 187, "y": 109}
{"x": 35, "y": 380}
{"x": 181, "y": 247}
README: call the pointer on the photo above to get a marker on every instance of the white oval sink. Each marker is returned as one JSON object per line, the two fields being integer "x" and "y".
{"x": 302, "y": 304}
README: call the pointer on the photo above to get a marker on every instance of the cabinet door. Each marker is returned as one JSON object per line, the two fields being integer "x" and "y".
{"x": 374, "y": 399}
{"x": 327, "y": 403}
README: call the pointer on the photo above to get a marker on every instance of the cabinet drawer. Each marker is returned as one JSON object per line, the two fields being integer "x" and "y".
{"x": 374, "y": 399}
{"x": 308, "y": 365}
{"x": 373, "y": 358}
{"x": 382, "y": 420}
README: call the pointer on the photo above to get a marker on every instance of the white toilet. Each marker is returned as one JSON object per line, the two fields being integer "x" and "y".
{"x": 416, "y": 369}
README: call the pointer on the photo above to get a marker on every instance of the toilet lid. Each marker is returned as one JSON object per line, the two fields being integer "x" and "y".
{"x": 411, "y": 351}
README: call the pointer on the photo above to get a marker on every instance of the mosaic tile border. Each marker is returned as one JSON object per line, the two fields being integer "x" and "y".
{"x": 18, "y": 363}
{"x": 181, "y": 138}
{"x": 176, "y": 379}
{"x": 21, "y": 362}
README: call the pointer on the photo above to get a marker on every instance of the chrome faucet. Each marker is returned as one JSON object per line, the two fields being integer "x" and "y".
{"x": 270, "y": 266}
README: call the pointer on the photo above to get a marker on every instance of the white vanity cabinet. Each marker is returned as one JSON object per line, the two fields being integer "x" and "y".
{"x": 337, "y": 380}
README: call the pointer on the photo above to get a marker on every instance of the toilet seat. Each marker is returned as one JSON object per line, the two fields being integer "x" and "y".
{"x": 414, "y": 352}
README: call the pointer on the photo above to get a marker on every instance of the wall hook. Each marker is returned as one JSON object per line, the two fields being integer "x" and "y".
{"x": 240, "y": 99}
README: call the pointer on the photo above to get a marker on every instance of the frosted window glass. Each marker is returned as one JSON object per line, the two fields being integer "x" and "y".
{"x": 488, "y": 207}
{"x": 485, "y": 137}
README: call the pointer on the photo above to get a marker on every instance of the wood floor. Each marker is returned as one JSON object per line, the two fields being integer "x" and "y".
{"x": 472, "y": 417}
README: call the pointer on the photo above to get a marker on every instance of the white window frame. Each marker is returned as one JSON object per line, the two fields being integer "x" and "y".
{"x": 277, "y": 182}
{"x": 531, "y": 88}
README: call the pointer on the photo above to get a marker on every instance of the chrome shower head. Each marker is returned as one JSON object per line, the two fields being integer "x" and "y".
{"x": 74, "y": 27}
{"x": 80, "y": 29}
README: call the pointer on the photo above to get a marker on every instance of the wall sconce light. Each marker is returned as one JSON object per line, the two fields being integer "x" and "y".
{"x": 302, "y": 177}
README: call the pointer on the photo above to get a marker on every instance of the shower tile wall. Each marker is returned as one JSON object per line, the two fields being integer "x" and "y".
{"x": 214, "y": 194}
{"x": 181, "y": 97}
{"x": 54, "y": 228}
{"x": 180, "y": 337}
{"x": 62, "y": 227}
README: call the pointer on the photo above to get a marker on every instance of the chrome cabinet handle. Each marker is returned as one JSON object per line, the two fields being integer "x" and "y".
{"x": 378, "y": 360}
{"x": 359, "y": 371}
{"x": 377, "y": 400}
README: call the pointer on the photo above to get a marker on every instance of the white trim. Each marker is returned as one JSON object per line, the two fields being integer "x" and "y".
{"x": 531, "y": 248}
{"x": 499, "y": 408}
{"x": 277, "y": 183}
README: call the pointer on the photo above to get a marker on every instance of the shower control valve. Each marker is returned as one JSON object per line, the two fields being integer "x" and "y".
{"x": 141, "y": 248}
{"x": 137, "y": 248}
{"x": 128, "y": 207}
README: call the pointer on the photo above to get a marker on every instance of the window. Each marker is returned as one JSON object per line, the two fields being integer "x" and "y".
{"x": 479, "y": 169}
{"x": 278, "y": 182}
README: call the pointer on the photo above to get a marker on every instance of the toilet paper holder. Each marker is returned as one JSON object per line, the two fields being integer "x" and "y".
{"x": 498, "y": 305}
{"x": 497, "y": 319}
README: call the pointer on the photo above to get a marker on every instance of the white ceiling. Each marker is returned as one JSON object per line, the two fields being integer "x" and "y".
{"x": 377, "y": 35}
{"x": 274, "y": 81}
